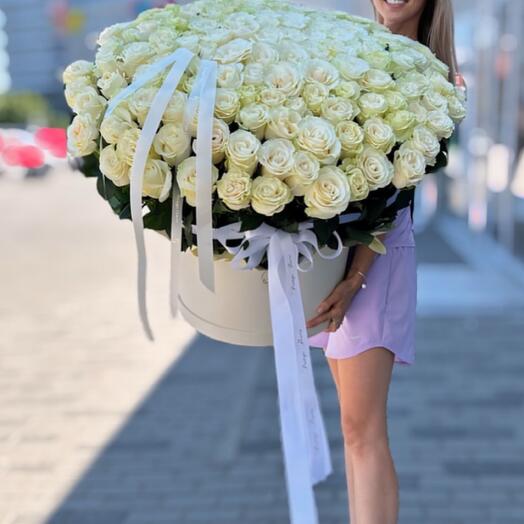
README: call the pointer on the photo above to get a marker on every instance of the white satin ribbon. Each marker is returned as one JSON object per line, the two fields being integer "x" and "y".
{"x": 204, "y": 91}
{"x": 176, "y": 246}
{"x": 201, "y": 101}
{"x": 180, "y": 59}
{"x": 204, "y": 165}
{"x": 304, "y": 439}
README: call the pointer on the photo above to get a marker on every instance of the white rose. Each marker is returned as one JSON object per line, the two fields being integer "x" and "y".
{"x": 134, "y": 55}
{"x": 377, "y": 59}
{"x": 335, "y": 109}
{"x": 329, "y": 195}
{"x": 254, "y": 74}
{"x": 420, "y": 60}
{"x": 116, "y": 124}
{"x": 348, "y": 89}
{"x": 79, "y": 70}
{"x": 172, "y": 143}
{"x": 379, "y": 135}
{"x": 427, "y": 143}
{"x": 219, "y": 141}
{"x": 254, "y": 117}
{"x": 234, "y": 51}
{"x": 295, "y": 20}
{"x": 106, "y": 60}
{"x": 352, "y": 67}
{"x": 376, "y": 167}
{"x": 186, "y": 179}
{"x": 248, "y": 94}
{"x": 434, "y": 101}
{"x": 372, "y": 104}
{"x": 176, "y": 107}
{"x": 322, "y": 72}
{"x": 285, "y": 77}
{"x": 351, "y": 137}
{"x": 191, "y": 42}
{"x": 163, "y": 40}
{"x": 113, "y": 167}
{"x": 242, "y": 24}
{"x": 264, "y": 53}
{"x": 297, "y": 104}
{"x": 126, "y": 145}
{"x": 283, "y": 123}
{"x": 227, "y": 104}
{"x": 292, "y": 52}
{"x": 420, "y": 112}
{"x": 304, "y": 172}
{"x": 82, "y": 135}
{"x": 110, "y": 33}
{"x": 230, "y": 76}
{"x": 358, "y": 184}
{"x": 320, "y": 138}
{"x": 456, "y": 109}
{"x": 402, "y": 123}
{"x": 269, "y": 195}
{"x": 461, "y": 93}
{"x": 139, "y": 103}
{"x": 412, "y": 87}
{"x": 401, "y": 62}
{"x": 276, "y": 157}
{"x": 441, "y": 84}
{"x": 89, "y": 102}
{"x": 376, "y": 80}
{"x": 410, "y": 166}
{"x": 131, "y": 34}
{"x": 111, "y": 84}
{"x": 216, "y": 37}
{"x": 234, "y": 188}
{"x": 241, "y": 151}
{"x": 74, "y": 89}
{"x": 396, "y": 100}
{"x": 157, "y": 179}
{"x": 272, "y": 97}
{"x": 314, "y": 94}
{"x": 440, "y": 123}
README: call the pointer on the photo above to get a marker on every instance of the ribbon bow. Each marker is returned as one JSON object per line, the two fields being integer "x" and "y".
{"x": 306, "y": 448}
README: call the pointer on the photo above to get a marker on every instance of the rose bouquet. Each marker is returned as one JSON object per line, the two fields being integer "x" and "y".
{"x": 318, "y": 114}
{"x": 260, "y": 131}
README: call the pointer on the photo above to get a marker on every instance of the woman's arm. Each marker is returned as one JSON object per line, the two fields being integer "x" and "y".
{"x": 334, "y": 307}
{"x": 363, "y": 259}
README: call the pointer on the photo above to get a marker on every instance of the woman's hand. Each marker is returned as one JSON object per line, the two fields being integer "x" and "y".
{"x": 334, "y": 307}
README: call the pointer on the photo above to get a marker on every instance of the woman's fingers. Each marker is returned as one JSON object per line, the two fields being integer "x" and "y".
{"x": 315, "y": 321}
{"x": 326, "y": 303}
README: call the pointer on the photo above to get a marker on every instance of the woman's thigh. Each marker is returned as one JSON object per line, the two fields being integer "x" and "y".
{"x": 363, "y": 385}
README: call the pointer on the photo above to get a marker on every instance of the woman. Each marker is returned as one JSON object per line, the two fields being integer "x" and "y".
{"x": 372, "y": 327}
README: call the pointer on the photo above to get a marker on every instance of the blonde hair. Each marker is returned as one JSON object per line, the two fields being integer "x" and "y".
{"x": 436, "y": 30}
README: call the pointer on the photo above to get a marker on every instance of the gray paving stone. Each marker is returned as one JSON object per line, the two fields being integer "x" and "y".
{"x": 96, "y": 426}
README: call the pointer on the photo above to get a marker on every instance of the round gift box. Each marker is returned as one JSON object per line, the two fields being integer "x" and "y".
{"x": 238, "y": 311}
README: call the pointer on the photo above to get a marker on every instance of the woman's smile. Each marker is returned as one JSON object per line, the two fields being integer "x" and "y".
{"x": 396, "y": 4}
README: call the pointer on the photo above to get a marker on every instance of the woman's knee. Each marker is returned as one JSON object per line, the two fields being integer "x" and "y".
{"x": 362, "y": 433}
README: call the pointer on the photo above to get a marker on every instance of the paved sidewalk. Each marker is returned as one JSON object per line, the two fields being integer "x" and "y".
{"x": 98, "y": 427}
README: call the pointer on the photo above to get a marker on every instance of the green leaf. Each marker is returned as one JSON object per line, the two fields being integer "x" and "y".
{"x": 89, "y": 166}
{"x": 377, "y": 246}
{"x": 219, "y": 208}
{"x": 250, "y": 221}
{"x": 352, "y": 233}
{"x": 188, "y": 220}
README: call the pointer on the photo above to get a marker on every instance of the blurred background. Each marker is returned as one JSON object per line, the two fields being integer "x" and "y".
{"x": 99, "y": 426}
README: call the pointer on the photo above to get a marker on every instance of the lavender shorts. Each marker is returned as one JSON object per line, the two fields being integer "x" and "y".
{"x": 384, "y": 313}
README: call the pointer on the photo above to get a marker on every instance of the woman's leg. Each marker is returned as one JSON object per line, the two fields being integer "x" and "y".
{"x": 333, "y": 365}
{"x": 363, "y": 384}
